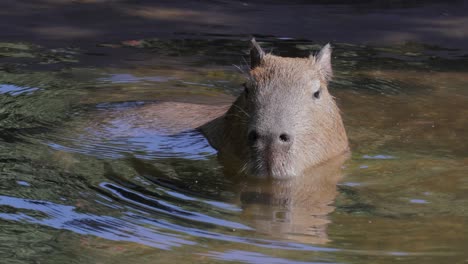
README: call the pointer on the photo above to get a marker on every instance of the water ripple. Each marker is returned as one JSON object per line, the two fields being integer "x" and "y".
{"x": 254, "y": 258}
{"x": 138, "y": 200}
{"x": 130, "y": 227}
{"x": 111, "y": 228}
{"x": 15, "y": 90}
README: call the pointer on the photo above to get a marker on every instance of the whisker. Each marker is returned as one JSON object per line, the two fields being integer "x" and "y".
{"x": 242, "y": 110}
{"x": 243, "y": 168}
{"x": 241, "y": 118}
{"x": 240, "y": 69}
{"x": 246, "y": 64}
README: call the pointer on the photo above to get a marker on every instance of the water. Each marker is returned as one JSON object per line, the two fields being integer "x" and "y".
{"x": 87, "y": 178}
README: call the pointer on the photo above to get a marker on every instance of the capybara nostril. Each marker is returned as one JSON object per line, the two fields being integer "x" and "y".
{"x": 285, "y": 138}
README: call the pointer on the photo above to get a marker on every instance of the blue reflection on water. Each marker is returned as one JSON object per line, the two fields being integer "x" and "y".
{"x": 130, "y": 78}
{"x": 111, "y": 228}
{"x": 16, "y": 90}
{"x": 189, "y": 145}
{"x": 130, "y": 227}
{"x": 384, "y": 157}
{"x": 160, "y": 206}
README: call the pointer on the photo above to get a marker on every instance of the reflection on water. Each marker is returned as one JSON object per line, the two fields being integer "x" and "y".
{"x": 94, "y": 168}
{"x": 295, "y": 209}
{"x": 65, "y": 217}
{"x": 15, "y": 90}
{"x": 129, "y": 78}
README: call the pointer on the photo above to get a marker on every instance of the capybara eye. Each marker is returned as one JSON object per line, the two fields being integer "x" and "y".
{"x": 317, "y": 94}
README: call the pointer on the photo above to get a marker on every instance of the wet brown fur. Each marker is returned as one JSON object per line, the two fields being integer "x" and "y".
{"x": 320, "y": 134}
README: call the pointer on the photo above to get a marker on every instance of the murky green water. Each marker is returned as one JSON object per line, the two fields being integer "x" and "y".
{"x": 83, "y": 182}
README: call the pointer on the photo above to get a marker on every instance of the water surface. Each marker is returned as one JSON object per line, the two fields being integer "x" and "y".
{"x": 83, "y": 182}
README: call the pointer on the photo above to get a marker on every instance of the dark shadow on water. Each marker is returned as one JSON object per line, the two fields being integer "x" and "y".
{"x": 87, "y": 23}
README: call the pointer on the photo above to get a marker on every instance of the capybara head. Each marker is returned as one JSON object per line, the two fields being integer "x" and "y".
{"x": 288, "y": 119}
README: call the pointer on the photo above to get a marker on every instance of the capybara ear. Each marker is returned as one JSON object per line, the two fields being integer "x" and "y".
{"x": 323, "y": 61}
{"x": 256, "y": 54}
